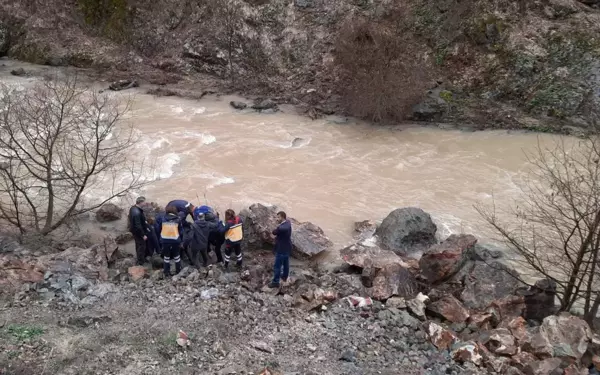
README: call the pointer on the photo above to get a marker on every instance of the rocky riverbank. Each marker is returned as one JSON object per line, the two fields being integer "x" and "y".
{"x": 399, "y": 303}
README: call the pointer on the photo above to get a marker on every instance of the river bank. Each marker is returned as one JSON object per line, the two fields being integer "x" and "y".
{"x": 457, "y": 310}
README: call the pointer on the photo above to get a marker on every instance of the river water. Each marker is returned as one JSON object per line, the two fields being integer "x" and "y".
{"x": 336, "y": 174}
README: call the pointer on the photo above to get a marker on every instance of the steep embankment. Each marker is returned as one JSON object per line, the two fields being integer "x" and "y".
{"x": 532, "y": 64}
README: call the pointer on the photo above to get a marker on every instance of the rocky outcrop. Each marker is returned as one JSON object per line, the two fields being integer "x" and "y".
{"x": 90, "y": 263}
{"x": 442, "y": 261}
{"x": 264, "y": 105}
{"x": 407, "y": 231}
{"x": 308, "y": 239}
{"x": 367, "y": 254}
{"x": 109, "y": 212}
{"x": 14, "y": 272}
{"x": 448, "y": 308}
{"x": 364, "y": 229}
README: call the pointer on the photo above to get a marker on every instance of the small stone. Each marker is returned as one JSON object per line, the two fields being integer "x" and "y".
{"x": 348, "y": 356}
{"x": 311, "y": 347}
{"x": 262, "y": 346}
{"x": 136, "y": 273}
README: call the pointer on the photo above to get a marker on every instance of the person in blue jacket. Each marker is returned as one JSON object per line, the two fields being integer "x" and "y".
{"x": 215, "y": 237}
{"x": 283, "y": 249}
{"x": 171, "y": 233}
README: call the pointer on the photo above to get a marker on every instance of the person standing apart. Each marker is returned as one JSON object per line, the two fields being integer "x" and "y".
{"x": 138, "y": 226}
{"x": 233, "y": 237}
{"x": 171, "y": 232}
{"x": 283, "y": 249}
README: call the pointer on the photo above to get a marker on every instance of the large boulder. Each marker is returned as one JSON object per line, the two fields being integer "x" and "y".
{"x": 109, "y": 212}
{"x": 449, "y": 308}
{"x": 487, "y": 282}
{"x": 407, "y": 231}
{"x": 308, "y": 239}
{"x": 443, "y": 260}
{"x": 568, "y": 335}
{"x": 366, "y": 254}
{"x": 91, "y": 263}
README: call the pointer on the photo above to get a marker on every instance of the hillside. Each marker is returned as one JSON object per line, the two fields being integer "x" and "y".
{"x": 500, "y": 63}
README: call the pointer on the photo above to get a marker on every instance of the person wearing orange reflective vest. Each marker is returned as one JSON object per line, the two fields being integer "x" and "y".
{"x": 171, "y": 234}
{"x": 233, "y": 237}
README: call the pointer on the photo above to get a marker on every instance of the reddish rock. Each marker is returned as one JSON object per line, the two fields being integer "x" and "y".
{"x": 536, "y": 343}
{"x": 466, "y": 352}
{"x": 502, "y": 342}
{"x": 439, "y": 336}
{"x": 506, "y": 308}
{"x": 544, "y": 367}
{"x": 522, "y": 359}
{"x": 517, "y": 326}
{"x": 575, "y": 370}
{"x": 393, "y": 280}
{"x": 449, "y": 308}
{"x": 496, "y": 364}
{"x": 481, "y": 321}
{"x": 445, "y": 259}
{"x": 14, "y": 272}
{"x": 136, "y": 273}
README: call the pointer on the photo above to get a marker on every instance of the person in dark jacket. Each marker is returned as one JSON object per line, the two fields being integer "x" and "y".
{"x": 184, "y": 208}
{"x": 232, "y": 230}
{"x": 171, "y": 232}
{"x": 152, "y": 244}
{"x": 199, "y": 240}
{"x": 215, "y": 237}
{"x": 138, "y": 226}
{"x": 283, "y": 249}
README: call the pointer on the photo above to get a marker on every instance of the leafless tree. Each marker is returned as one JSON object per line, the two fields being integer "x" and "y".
{"x": 229, "y": 17}
{"x": 555, "y": 231}
{"x": 60, "y": 144}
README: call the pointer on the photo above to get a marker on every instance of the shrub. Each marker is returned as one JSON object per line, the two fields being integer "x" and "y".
{"x": 382, "y": 74}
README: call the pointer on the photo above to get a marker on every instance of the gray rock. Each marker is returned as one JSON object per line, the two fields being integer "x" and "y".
{"x": 417, "y": 308}
{"x": 262, "y": 346}
{"x": 407, "y": 230}
{"x": 123, "y": 84}
{"x": 264, "y": 105}
{"x": 19, "y": 72}
{"x": 304, "y": 3}
{"x": 79, "y": 283}
{"x": 486, "y": 282}
{"x": 348, "y": 356}
{"x": 238, "y": 105}
{"x": 4, "y": 39}
{"x": 109, "y": 212}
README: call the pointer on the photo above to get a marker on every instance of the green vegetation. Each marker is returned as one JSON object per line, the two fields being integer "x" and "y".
{"x": 23, "y": 333}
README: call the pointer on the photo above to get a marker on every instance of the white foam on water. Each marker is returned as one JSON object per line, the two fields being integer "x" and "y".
{"x": 205, "y": 138}
{"x": 216, "y": 179}
{"x": 176, "y": 109}
{"x": 199, "y": 111}
{"x": 165, "y": 165}
{"x": 159, "y": 143}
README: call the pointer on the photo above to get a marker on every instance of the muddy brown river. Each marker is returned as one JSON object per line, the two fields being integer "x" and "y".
{"x": 327, "y": 171}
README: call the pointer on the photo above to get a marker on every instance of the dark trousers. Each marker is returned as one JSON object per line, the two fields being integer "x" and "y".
{"x": 171, "y": 252}
{"x": 237, "y": 247}
{"x": 140, "y": 249}
{"x": 152, "y": 244}
{"x": 281, "y": 261}
{"x": 200, "y": 254}
{"x": 217, "y": 240}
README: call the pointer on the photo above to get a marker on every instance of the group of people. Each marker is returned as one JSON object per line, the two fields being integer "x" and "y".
{"x": 170, "y": 234}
